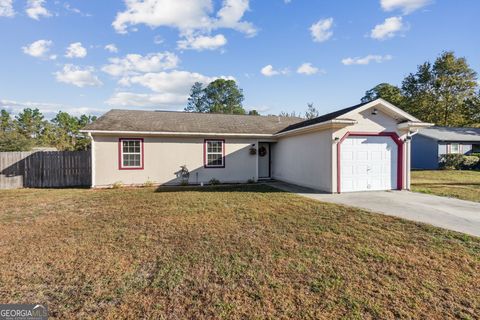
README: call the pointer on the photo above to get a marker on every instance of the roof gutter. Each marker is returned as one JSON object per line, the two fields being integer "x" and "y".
{"x": 335, "y": 123}
{"x": 414, "y": 124}
{"x": 177, "y": 134}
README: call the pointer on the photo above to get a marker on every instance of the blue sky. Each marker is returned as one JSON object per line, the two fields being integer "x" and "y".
{"x": 87, "y": 56}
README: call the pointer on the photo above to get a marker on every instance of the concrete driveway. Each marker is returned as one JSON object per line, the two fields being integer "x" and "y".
{"x": 448, "y": 213}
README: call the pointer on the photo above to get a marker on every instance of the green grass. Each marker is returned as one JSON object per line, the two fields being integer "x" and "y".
{"x": 448, "y": 183}
{"x": 242, "y": 252}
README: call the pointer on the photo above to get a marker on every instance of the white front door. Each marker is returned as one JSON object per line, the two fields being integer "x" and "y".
{"x": 263, "y": 160}
{"x": 368, "y": 163}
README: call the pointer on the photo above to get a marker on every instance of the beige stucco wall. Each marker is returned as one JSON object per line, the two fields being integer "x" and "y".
{"x": 165, "y": 155}
{"x": 305, "y": 160}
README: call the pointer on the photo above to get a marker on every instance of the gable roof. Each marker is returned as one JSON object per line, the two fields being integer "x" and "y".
{"x": 324, "y": 118}
{"x": 451, "y": 133}
{"x": 189, "y": 122}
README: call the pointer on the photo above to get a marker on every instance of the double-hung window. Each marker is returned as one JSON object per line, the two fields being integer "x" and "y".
{"x": 131, "y": 153}
{"x": 214, "y": 154}
{"x": 454, "y": 148}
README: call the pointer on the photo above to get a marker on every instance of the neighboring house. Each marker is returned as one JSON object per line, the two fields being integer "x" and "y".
{"x": 430, "y": 143}
{"x": 364, "y": 147}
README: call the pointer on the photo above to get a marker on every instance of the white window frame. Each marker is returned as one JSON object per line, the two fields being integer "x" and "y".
{"x": 122, "y": 153}
{"x": 458, "y": 148}
{"x": 221, "y": 153}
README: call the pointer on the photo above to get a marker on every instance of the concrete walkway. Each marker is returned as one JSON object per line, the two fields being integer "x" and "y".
{"x": 448, "y": 213}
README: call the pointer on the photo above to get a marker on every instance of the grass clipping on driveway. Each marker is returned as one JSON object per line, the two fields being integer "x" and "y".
{"x": 227, "y": 252}
{"x": 448, "y": 183}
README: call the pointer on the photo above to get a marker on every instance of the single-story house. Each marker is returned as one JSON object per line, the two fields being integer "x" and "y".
{"x": 430, "y": 143}
{"x": 360, "y": 148}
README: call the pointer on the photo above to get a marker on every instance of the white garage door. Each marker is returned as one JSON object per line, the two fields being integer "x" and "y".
{"x": 368, "y": 163}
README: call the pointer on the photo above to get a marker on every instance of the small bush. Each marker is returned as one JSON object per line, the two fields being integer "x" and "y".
{"x": 470, "y": 162}
{"x": 475, "y": 154}
{"x": 214, "y": 181}
{"x": 451, "y": 161}
{"x": 184, "y": 183}
{"x": 251, "y": 180}
{"x": 148, "y": 184}
{"x": 117, "y": 185}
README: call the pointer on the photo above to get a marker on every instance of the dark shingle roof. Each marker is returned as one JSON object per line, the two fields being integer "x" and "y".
{"x": 451, "y": 133}
{"x": 168, "y": 121}
{"x": 325, "y": 117}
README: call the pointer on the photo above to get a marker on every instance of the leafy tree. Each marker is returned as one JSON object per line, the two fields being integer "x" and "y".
{"x": 438, "y": 93}
{"x": 224, "y": 96}
{"x": 386, "y": 91}
{"x": 67, "y": 135}
{"x": 444, "y": 93}
{"x": 29, "y": 129}
{"x": 196, "y": 101}
{"x": 14, "y": 141}
{"x": 311, "y": 112}
{"x": 83, "y": 141}
{"x": 30, "y": 123}
{"x": 253, "y": 113}
{"x": 472, "y": 110}
{"x": 5, "y": 121}
{"x": 220, "y": 96}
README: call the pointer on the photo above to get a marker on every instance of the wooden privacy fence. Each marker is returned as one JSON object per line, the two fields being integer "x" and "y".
{"x": 52, "y": 169}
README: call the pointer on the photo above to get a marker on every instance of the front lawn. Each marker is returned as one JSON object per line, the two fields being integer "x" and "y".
{"x": 449, "y": 183}
{"x": 227, "y": 252}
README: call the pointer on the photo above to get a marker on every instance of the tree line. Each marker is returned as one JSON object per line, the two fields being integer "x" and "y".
{"x": 445, "y": 92}
{"x": 29, "y": 129}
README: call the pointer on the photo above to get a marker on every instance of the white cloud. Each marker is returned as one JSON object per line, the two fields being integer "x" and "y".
{"x": 69, "y": 8}
{"x": 111, "y": 48}
{"x": 39, "y": 49}
{"x": 35, "y": 9}
{"x": 321, "y": 30}
{"x": 130, "y": 99}
{"x": 366, "y": 60}
{"x": 76, "y": 50}
{"x": 78, "y": 76}
{"x": 230, "y": 15}
{"x": 308, "y": 69}
{"x": 388, "y": 29}
{"x": 269, "y": 71}
{"x": 136, "y": 63}
{"x": 185, "y": 15}
{"x": 169, "y": 82}
{"x": 6, "y": 8}
{"x": 407, "y": 6}
{"x": 201, "y": 43}
{"x": 48, "y": 109}
{"x": 169, "y": 88}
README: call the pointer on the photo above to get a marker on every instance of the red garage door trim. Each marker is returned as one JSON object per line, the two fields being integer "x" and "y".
{"x": 392, "y": 135}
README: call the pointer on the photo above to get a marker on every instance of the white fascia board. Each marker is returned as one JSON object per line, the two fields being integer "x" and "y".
{"x": 388, "y": 106}
{"x": 340, "y": 123}
{"x": 414, "y": 125}
{"x": 176, "y": 134}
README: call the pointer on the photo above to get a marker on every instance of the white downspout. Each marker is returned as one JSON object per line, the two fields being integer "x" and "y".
{"x": 92, "y": 153}
{"x": 409, "y": 158}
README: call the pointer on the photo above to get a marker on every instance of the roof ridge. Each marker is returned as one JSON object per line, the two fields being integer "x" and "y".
{"x": 206, "y": 113}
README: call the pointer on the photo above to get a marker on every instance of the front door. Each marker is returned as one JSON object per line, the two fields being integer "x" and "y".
{"x": 263, "y": 160}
